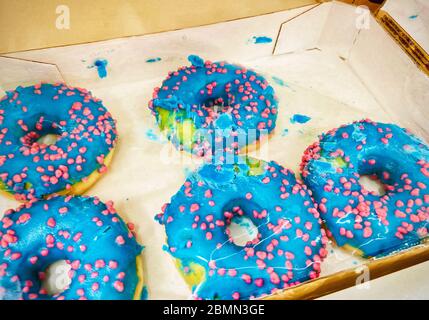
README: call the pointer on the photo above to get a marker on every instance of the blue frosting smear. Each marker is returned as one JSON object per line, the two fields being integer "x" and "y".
{"x": 145, "y": 294}
{"x": 300, "y": 118}
{"x": 372, "y": 223}
{"x": 152, "y": 60}
{"x": 196, "y": 60}
{"x": 213, "y": 97}
{"x": 289, "y": 245}
{"x": 85, "y": 232}
{"x": 279, "y": 81}
{"x": 262, "y": 39}
{"x": 151, "y": 135}
{"x": 413, "y": 17}
{"x": 86, "y": 135}
{"x": 101, "y": 65}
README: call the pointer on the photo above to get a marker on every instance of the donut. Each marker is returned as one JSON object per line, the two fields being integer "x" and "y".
{"x": 214, "y": 106}
{"x": 88, "y": 234}
{"x": 86, "y": 134}
{"x": 369, "y": 223}
{"x": 288, "y": 247}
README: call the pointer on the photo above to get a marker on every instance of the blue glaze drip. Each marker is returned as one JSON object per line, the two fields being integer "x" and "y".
{"x": 145, "y": 294}
{"x": 300, "y": 118}
{"x": 151, "y": 135}
{"x": 285, "y": 132}
{"x": 86, "y": 133}
{"x": 262, "y": 39}
{"x": 374, "y": 224}
{"x": 85, "y": 232}
{"x": 215, "y": 97}
{"x": 152, "y": 60}
{"x": 101, "y": 66}
{"x": 289, "y": 232}
{"x": 196, "y": 60}
{"x": 279, "y": 81}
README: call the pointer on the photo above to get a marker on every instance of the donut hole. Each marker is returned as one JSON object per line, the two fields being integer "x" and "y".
{"x": 216, "y": 103}
{"x": 372, "y": 184}
{"x": 43, "y": 136}
{"x": 241, "y": 230}
{"x": 57, "y": 277}
{"x": 217, "y": 100}
{"x": 48, "y": 139}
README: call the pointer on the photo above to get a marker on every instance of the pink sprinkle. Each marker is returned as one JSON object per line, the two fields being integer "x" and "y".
{"x": 33, "y": 260}
{"x": 24, "y": 218}
{"x": 63, "y": 210}
{"x": 120, "y": 240}
{"x": 51, "y": 222}
{"x": 100, "y": 264}
{"x": 119, "y": 286}
{"x": 246, "y": 278}
{"x": 195, "y": 207}
{"x": 15, "y": 256}
{"x": 367, "y": 232}
{"x": 259, "y": 282}
{"x": 266, "y": 180}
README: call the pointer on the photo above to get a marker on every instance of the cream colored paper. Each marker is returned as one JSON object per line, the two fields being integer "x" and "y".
{"x": 318, "y": 81}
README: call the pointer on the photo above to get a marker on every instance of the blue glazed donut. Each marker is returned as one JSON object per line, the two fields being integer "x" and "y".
{"x": 370, "y": 223}
{"x": 86, "y": 233}
{"x": 214, "y": 106}
{"x": 287, "y": 250}
{"x": 87, "y": 135}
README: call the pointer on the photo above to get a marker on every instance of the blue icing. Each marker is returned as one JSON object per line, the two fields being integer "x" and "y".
{"x": 86, "y": 133}
{"x": 413, "y": 17}
{"x": 241, "y": 100}
{"x": 152, "y": 60}
{"x": 289, "y": 233}
{"x": 285, "y": 132}
{"x": 376, "y": 225}
{"x": 151, "y": 135}
{"x": 101, "y": 65}
{"x": 224, "y": 121}
{"x": 279, "y": 81}
{"x": 196, "y": 60}
{"x": 85, "y": 232}
{"x": 300, "y": 118}
{"x": 262, "y": 39}
{"x": 145, "y": 294}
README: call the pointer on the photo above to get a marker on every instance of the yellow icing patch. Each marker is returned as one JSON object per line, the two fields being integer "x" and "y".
{"x": 165, "y": 119}
{"x": 338, "y": 162}
{"x": 184, "y": 130}
{"x": 256, "y": 167}
{"x": 140, "y": 284}
{"x": 76, "y": 189}
{"x": 196, "y": 273}
{"x": 5, "y": 192}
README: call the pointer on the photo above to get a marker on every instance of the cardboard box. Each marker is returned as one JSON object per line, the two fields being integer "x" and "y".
{"x": 337, "y": 64}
